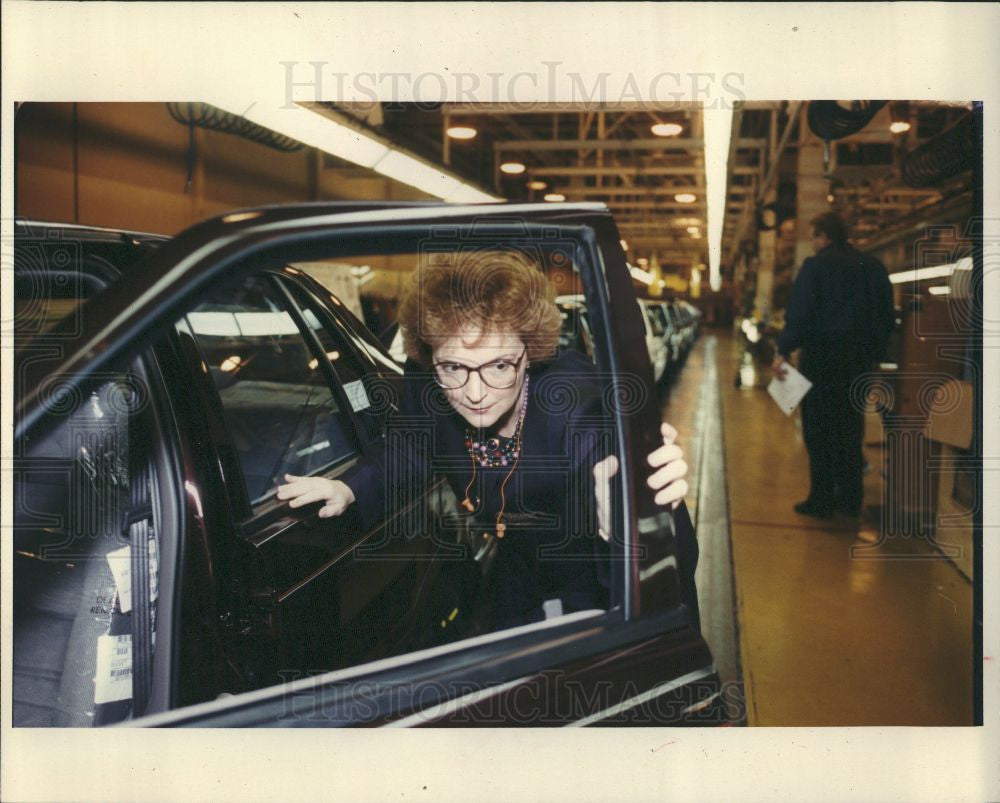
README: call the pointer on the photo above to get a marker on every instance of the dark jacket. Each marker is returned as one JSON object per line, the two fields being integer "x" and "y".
{"x": 550, "y": 549}
{"x": 840, "y": 296}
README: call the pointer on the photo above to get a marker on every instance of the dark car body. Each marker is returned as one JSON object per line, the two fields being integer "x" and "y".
{"x": 142, "y": 434}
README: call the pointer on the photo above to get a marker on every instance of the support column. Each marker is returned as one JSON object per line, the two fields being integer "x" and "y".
{"x": 811, "y": 190}
{"x": 767, "y": 242}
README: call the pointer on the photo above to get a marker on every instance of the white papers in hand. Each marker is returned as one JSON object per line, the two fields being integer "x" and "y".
{"x": 788, "y": 392}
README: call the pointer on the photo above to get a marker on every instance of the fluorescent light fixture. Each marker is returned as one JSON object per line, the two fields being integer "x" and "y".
{"x": 693, "y": 230}
{"x": 554, "y": 196}
{"x": 512, "y": 168}
{"x": 934, "y": 272}
{"x": 939, "y": 290}
{"x": 718, "y": 129}
{"x": 537, "y": 185}
{"x": 353, "y": 145}
{"x": 667, "y": 129}
{"x": 899, "y": 127}
{"x": 829, "y": 198}
{"x": 314, "y": 129}
{"x": 687, "y": 221}
{"x": 685, "y": 198}
{"x": 466, "y": 194}
{"x": 408, "y": 170}
{"x": 461, "y": 132}
{"x": 641, "y": 275}
{"x": 695, "y": 235}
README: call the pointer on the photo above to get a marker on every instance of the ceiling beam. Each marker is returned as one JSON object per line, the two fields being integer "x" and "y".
{"x": 564, "y": 107}
{"x": 657, "y": 170}
{"x": 658, "y": 144}
{"x": 653, "y": 205}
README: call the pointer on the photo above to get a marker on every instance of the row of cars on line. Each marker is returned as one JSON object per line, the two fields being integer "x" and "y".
{"x": 671, "y": 329}
{"x": 163, "y": 386}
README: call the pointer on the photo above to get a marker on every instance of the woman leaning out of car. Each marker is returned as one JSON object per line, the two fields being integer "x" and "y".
{"x": 521, "y": 435}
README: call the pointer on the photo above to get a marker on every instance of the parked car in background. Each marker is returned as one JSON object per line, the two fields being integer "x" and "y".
{"x": 575, "y": 332}
{"x": 163, "y": 388}
{"x": 693, "y": 315}
{"x": 659, "y": 350}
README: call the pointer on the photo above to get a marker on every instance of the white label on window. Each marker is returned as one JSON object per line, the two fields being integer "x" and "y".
{"x": 113, "y": 679}
{"x": 120, "y": 562}
{"x": 357, "y": 396}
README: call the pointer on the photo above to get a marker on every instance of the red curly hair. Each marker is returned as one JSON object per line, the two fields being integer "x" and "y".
{"x": 492, "y": 291}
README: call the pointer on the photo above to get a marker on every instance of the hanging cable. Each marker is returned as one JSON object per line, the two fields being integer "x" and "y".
{"x": 205, "y": 116}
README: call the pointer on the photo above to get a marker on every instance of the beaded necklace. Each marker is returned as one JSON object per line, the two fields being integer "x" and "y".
{"x": 496, "y": 452}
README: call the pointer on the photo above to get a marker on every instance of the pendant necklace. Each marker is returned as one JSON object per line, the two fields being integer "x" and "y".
{"x": 496, "y": 452}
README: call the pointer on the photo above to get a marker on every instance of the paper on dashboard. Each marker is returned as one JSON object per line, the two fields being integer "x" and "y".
{"x": 788, "y": 392}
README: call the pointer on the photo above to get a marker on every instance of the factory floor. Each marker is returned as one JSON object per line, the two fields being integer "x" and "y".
{"x": 811, "y": 622}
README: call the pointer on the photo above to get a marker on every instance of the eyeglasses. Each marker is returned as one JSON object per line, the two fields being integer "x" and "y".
{"x": 498, "y": 374}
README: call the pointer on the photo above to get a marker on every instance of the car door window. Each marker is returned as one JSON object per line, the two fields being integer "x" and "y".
{"x": 366, "y": 391}
{"x": 277, "y": 404}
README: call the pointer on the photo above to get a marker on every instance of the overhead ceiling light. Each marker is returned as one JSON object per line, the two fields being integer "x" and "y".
{"x": 939, "y": 290}
{"x": 829, "y": 198}
{"x": 899, "y": 116}
{"x": 461, "y": 132}
{"x": 554, "y": 196}
{"x": 693, "y": 230}
{"x": 314, "y": 130}
{"x": 408, "y": 170}
{"x": 466, "y": 194}
{"x": 933, "y": 272}
{"x": 355, "y": 146}
{"x": 687, "y": 221}
{"x": 513, "y": 168}
{"x": 718, "y": 131}
{"x": 695, "y": 235}
{"x": 685, "y": 198}
{"x": 667, "y": 129}
{"x": 537, "y": 185}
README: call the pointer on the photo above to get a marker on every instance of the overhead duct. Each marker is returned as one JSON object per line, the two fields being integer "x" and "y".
{"x": 942, "y": 157}
{"x": 828, "y": 119}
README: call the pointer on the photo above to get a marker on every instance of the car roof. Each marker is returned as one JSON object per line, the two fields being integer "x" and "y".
{"x": 27, "y": 227}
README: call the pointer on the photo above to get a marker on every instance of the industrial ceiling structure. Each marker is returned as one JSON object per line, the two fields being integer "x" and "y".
{"x": 884, "y": 164}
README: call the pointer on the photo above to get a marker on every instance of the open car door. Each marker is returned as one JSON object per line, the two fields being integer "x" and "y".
{"x": 640, "y": 661}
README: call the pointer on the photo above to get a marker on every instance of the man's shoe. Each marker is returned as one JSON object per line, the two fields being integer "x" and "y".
{"x": 809, "y": 508}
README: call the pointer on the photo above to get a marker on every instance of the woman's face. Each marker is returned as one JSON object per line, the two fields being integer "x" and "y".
{"x": 496, "y": 355}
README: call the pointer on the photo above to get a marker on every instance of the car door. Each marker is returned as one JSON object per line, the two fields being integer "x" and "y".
{"x": 639, "y": 661}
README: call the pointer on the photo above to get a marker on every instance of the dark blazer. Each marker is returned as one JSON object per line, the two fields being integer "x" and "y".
{"x": 841, "y": 296}
{"x": 550, "y": 548}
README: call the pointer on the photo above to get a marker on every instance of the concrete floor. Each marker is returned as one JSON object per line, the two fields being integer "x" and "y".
{"x": 811, "y": 622}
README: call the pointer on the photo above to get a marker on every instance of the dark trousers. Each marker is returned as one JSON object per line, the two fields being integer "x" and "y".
{"x": 833, "y": 423}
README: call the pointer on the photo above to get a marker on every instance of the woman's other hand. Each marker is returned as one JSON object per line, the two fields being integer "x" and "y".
{"x": 667, "y": 479}
{"x": 299, "y": 491}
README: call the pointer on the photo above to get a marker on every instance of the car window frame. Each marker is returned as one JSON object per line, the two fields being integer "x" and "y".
{"x": 215, "y": 250}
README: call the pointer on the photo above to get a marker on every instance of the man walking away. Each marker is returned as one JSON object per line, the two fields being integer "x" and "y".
{"x": 840, "y": 315}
